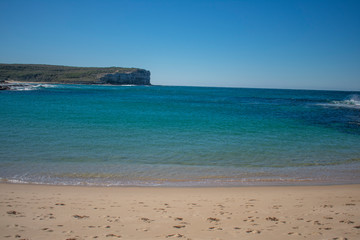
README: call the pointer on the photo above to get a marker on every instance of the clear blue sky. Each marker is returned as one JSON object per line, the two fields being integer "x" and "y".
{"x": 303, "y": 44}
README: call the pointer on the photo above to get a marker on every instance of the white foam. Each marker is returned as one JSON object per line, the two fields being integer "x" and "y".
{"x": 22, "y": 88}
{"x": 30, "y": 87}
{"x": 48, "y": 85}
{"x": 13, "y": 181}
{"x": 352, "y": 101}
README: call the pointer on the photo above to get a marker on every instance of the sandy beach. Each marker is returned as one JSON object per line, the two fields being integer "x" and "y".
{"x": 286, "y": 212}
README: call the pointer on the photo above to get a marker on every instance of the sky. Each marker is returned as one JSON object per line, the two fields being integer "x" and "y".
{"x": 295, "y": 44}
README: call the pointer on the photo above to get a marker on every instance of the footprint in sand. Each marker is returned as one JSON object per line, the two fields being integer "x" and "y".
{"x": 147, "y": 220}
{"x": 274, "y": 219}
{"x": 175, "y": 235}
{"x": 347, "y": 221}
{"x": 327, "y": 206}
{"x": 113, "y": 235}
{"x": 12, "y": 212}
{"x": 327, "y": 228}
{"x": 212, "y": 219}
{"x": 350, "y": 204}
{"x": 317, "y": 223}
{"x": 179, "y": 226}
{"x": 80, "y": 217}
{"x": 15, "y": 213}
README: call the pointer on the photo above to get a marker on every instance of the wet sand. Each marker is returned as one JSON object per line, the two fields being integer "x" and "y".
{"x": 71, "y": 212}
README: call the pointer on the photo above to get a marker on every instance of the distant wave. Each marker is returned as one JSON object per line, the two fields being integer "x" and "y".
{"x": 352, "y": 101}
{"x": 24, "y": 87}
{"x": 29, "y": 87}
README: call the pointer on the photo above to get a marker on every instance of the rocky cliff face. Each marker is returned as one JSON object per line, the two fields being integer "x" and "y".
{"x": 138, "y": 77}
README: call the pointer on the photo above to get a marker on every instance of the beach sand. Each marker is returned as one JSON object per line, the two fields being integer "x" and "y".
{"x": 285, "y": 212}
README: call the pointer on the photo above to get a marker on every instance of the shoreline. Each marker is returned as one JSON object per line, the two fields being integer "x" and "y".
{"x": 250, "y": 212}
{"x": 346, "y": 174}
{"x": 249, "y": 184}
{"x": 182, "y": 187}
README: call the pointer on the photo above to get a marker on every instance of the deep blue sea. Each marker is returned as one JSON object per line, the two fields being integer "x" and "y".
{"x": 178, "y": 136}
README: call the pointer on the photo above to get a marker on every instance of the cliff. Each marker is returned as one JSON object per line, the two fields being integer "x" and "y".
{"x": 76, "y": 75}
{"x": 138, "y": 77}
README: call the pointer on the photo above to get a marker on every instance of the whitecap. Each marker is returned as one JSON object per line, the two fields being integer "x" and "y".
{"x": 352, "y": 101}
{"x": 48, "y": 86}
{"x": 29, "y": 86}
{"x": 23, "y": 88}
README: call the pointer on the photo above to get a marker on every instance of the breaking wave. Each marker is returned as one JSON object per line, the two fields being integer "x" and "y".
{"x": 352, "y": 101}
{"x": 29, "y": 87}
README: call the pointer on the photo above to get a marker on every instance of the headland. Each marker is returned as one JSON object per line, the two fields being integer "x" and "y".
{"x": 30, "y": 73}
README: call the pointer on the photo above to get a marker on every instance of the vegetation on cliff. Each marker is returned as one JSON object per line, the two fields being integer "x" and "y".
{"x": 65, "y": 74}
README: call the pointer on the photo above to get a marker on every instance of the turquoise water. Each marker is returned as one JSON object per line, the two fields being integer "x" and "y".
{"x": 178, "y": 136}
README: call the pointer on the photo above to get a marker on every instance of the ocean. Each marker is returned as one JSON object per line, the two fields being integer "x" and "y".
{"x": 178, "y": 136}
